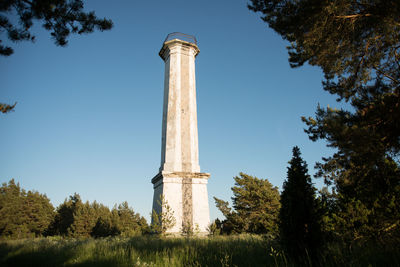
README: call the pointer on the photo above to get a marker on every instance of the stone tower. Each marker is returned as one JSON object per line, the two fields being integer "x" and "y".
{"x": 179, "y": 179}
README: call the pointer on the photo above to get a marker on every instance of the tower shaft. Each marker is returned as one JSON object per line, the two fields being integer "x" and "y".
{"x": 179, "y": 150}
{"x": 179, "y": 181}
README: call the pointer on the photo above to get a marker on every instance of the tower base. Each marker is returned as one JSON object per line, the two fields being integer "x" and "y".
{"x": 186, "y": 194}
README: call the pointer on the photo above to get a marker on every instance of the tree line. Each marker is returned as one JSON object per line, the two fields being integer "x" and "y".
{"x": 30, "y": 214}
{"x": 294, "y": 217}
{"x": 301, "y": 219}
{"x": 357, "y": 46}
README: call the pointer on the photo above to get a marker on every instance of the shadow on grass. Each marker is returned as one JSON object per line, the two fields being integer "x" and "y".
{"x": 134, "y": 251}
{"x": 33, "y": 253}
{"x": 152, "y": 251}
{"x": 127, "y": 252}
{"x": 227, "y": 251}
{"x": 20, "y": 255}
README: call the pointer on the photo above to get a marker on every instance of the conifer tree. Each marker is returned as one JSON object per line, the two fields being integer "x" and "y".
{"x": 104, "y": 227}
{"x": 300, "y": 229}
{"x": 60, "y": 17}
{"x": 23, "y": 214}
{"x": 64, "y": 217}
{"x": 84, "y": 219}
{"x": 357, "y": 46}
{"x": 77, "y": 219}
{"x": 30, "y": 214}
{"x": 129, "y": 222}
{"x": 163, "y": 220}
{"x": 5, "y": 108}
{"x": 38, "y": 211}
{"x": 255, "y": 206}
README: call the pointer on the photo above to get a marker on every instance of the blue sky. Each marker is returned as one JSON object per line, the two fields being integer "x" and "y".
{"x": 88, "y": 118}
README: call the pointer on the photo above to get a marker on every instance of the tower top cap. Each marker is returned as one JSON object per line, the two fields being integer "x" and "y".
{"x": 181, "y": 36}
{"x": 189, "y": 41}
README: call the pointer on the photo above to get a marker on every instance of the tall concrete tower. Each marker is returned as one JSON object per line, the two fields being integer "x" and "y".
{"x": 179, "y": 180}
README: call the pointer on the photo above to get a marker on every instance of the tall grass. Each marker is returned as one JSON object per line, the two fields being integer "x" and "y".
{"x": 150, "y": 251}
{"x": 137, "y": 251}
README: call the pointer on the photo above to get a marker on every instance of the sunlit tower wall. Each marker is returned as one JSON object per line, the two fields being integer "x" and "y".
{"x": 179, "y": 179}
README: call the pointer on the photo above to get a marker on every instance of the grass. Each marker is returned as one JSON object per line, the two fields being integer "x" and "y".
{"x": 136, "y": 251}
{"x": 243, "y": 250}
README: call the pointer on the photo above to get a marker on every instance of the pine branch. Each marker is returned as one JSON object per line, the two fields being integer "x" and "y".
{"x": 5, "y": 108}
{"x": 28, "y": 2}
{"x": 355, "y": 16}
{"x": 387, "y": 75}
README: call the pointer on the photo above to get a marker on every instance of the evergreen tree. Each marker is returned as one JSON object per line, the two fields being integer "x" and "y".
{"x": 23, "y": 214}
{"x": 30, "y": 214}
{"x": 129, "y": 223}
{"x": 106, "y": 221}
{"x": 104, "y": 227}
{"x": 214, "y": 228}
{"x": 255, "y": 206}
{"x": 5, "y": 108}
{"x": 12, "y": 222}
{"x": 357, "y": 45}
{"x": 84, "y": 219}
{"x": 164, "y": 219}
{"x": 77, "y": 219}
{"x": 61, "y": 17}
{"x": 39, "y": 212}
{"x": 229, "y": 225}
{"x": 300, "y": 218}
{"x": 64, "y": 217}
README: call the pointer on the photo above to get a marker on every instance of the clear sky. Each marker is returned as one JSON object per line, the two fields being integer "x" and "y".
{"x": 88, "y": 118}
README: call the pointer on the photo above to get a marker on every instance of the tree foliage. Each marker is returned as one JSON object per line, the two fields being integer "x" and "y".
{"x": 128, "y": 222}
{"x": 104, "y": 227}
{"x": 5, "y": 108}
{"x": 255, "y": 206}
{"x": 357, "y": 45}
{"x": 77, "y": 219}
{"x": 300, "y": 214}
{"x": 354, "y": 42}
{"x": 60, "y": 17}
{"x": 30, "y": 214}
{"x": 23, "y": 214}
{"x": 164, "y": 219}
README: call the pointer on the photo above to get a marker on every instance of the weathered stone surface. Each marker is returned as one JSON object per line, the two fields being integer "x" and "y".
{"x": 180, "y": 181}
{"x": 179, "y": 149}
{"x": 187, "y": 196}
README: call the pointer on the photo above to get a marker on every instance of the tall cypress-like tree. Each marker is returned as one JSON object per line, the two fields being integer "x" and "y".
{"x": 299, "y": 215}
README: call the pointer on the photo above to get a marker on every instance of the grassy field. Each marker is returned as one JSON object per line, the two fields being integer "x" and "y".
{"x": 151, "y": 251}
